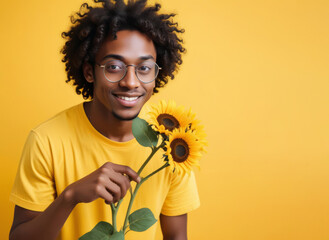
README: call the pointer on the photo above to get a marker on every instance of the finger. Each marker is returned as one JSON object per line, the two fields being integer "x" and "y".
{"x": 103, "y": 193}
{"x": 122, "y": 181}
{"x": 109, "y": 174}
{"x": 127, "y": 181}
{"x": 114, "y": 190}
{"x": 128, "y": 171}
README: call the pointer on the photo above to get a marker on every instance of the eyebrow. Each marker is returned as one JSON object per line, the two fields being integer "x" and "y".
{"x": 119, "y": 57}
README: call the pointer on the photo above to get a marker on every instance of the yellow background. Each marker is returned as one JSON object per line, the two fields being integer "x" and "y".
{"x": 257, "y": 75}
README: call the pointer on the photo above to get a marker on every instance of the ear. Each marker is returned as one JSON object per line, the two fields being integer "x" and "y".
{"x": 88, "y": 72}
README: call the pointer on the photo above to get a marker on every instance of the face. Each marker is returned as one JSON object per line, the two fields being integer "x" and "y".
{"x": 123, "y": 99}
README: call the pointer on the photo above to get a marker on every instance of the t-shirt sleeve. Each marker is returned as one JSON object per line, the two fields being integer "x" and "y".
{"x": 34, "y": 188}
{"x": 182, "y": 197}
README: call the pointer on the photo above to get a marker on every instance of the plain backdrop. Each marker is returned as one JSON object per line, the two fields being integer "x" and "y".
{"x": 256, "y": 73}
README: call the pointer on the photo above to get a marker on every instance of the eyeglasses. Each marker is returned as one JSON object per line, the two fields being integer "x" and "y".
{"x": 116, "y": 70}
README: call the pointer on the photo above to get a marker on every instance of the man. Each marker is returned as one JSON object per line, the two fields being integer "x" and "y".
{"x": 76, "y": 163}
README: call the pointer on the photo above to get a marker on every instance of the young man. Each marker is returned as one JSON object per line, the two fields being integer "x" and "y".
{"x": 76, "y": 163}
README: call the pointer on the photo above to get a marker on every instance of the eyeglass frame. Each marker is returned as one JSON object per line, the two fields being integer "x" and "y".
{"x": 126, "y": 70}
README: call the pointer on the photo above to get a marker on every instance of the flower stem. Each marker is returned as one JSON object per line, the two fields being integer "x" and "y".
{"x": 118, "y": 204}
{"x": 156, "y": 171}
{"x": 114, "y": 211}
{"x": 154, "y": 150}
{"x": 131, "y": 203}
{"x": 136, "y": 190}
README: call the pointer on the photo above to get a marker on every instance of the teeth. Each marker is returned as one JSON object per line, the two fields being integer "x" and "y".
{"x": 127, "y": 98}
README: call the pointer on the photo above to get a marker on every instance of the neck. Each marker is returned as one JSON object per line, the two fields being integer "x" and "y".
{"x": 107, "y": 124}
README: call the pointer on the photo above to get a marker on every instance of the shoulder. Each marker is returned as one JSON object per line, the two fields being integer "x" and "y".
{"x": 61, "y": 123}
{"x": 183, "y": 195}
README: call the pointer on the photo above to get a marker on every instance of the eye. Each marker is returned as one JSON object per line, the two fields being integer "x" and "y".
{"x": 145, "y": 67}
{"x": 114, "y": 66}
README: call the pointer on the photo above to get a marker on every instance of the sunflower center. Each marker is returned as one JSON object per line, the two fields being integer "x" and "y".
{"x": 168, "y": 121}
{"x": 179, "y": 150}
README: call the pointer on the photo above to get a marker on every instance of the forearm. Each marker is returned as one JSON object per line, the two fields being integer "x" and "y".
{"x": 101, "y": 183}
{"x": 48, "y": 224}
{"x": 175, "y": 238}
{"x": 174, "y": 227}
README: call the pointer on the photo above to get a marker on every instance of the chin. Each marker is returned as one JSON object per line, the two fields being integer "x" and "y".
{"x": 124, "y": 118}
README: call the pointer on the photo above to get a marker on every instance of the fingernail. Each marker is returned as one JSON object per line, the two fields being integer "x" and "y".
{"x": 139, "y": 179}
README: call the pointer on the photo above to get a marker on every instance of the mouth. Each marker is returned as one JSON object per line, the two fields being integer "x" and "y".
{"x": 126, "y": 100}
{"x": 129, "y": 99}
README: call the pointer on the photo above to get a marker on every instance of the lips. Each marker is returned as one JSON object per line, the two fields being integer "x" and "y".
{"x": 127, "y": 100}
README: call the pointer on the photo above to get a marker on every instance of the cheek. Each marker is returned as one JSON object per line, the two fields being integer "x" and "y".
{"x": 102, "y": 87}
{"x": 150, "y": 88}
{"x": 98, "y": 76}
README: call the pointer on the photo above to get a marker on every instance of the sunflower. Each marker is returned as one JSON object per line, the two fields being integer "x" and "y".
{"x": 196, "y": 127}
{"x": 183, "y": 150}
{"x": 165, "y": 117}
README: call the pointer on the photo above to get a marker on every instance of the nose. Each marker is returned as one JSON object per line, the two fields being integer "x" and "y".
{"x": 130, "y": 80}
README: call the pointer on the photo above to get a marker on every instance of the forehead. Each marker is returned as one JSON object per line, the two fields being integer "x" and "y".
{"x": 131, "y": 45}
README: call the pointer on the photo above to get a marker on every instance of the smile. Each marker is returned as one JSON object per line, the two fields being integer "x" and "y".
{"x": 130, "y": 99}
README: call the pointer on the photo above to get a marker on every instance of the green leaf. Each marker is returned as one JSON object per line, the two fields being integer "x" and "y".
{"x": 144, "y": 133}
{"x": 141, "y": 220}
{"x": 118, "y": 236}
{"x": 101, "y": 231}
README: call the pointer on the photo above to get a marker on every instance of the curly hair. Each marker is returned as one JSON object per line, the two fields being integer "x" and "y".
{"x": 92, "y": 25}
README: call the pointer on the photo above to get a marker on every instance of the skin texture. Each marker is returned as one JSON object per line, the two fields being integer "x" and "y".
{"x": 109, "y": 115}
{"x": 174, "y": 227}
{"x": 130, "y": 47}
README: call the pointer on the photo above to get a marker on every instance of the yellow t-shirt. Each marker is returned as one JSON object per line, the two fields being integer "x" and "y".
{"x": 66, "y": 148}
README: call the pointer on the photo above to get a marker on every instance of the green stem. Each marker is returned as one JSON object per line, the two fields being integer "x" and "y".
{"x": 131, "y": 203}
{"x": 118, "y": 204}
{"x": 136, "y": 190}
{"x": 114, "y": 211}
{"x": 156, "y": 171}
{"x": 154, "y": 150}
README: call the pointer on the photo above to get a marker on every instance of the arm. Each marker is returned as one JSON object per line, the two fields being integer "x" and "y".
{"x": 174, "y": 227}
{"x": 107, "y": 182}
{"x": 29, "y": 224}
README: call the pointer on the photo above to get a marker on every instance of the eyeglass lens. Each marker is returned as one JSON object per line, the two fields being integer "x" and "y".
{"x": 146, "y": 71}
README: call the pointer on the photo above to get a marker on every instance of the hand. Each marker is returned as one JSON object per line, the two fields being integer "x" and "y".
{"x": 110, "y": 182}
